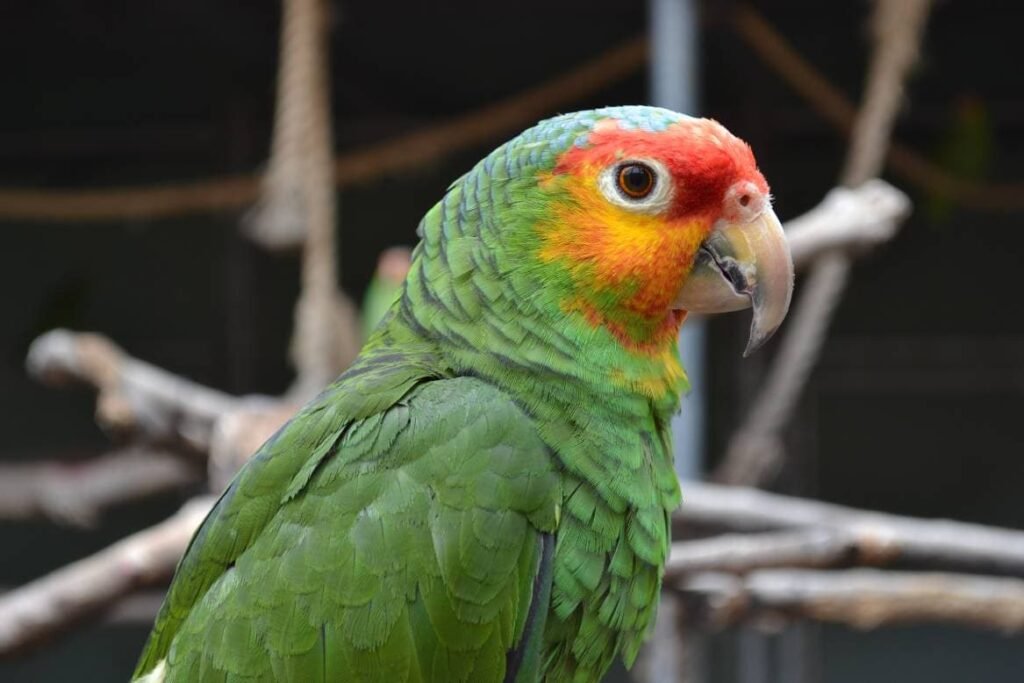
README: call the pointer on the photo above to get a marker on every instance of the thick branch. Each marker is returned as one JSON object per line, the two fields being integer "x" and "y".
{"x": 77, "y": 493}
{"x": 847, "y": 220}
{"x": 54, "y": 602}
{"x": 862, "y": 598}
{"x": 898, "y": 27}
{"x": 755, "y": 452}
{"x": 134, "y": 396}
{"x": 741, "y": 553}
{"x": 878, "y": 536}
{"x": 139, "y": 608}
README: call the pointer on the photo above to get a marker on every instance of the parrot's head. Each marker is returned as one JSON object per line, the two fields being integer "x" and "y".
{"x": 581, "y": 245}
{"x": 652, "y": 214}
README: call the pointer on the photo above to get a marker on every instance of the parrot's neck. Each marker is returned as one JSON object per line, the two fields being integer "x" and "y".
{"x": 492, "y": 331}
{"x": 604, "y": 407}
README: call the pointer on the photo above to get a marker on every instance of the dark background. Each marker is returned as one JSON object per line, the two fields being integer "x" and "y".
{"x": 916, "y": 407}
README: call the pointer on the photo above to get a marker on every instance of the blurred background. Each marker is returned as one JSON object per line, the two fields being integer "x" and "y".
{"x": 914, "y": 406}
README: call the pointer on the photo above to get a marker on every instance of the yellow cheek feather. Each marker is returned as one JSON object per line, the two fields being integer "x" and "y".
{"x": 627, "y": 265}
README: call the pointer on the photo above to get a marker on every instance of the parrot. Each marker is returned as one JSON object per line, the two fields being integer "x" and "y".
{"x": 485, "y": 494}
{"x": 384, "y": 287}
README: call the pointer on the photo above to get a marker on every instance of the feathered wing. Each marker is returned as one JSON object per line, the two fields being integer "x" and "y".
{"x": 411, "y": 544}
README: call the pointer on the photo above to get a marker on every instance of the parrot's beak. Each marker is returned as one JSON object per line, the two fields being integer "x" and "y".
{"x": 741, "y": 265}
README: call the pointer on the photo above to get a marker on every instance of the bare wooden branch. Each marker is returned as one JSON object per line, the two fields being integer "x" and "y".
{"x": 879, "y": 537}
{"x": 755, "y": 452}
{"x": 139, "y": 608}
{"x": 134, "y": 396}
{"x": 741, "y": 553}
{"x": 145, "y": 402}
{"x": 848, "y": 220}
{"x": 77, "y": 493}
{"x": 52, "y": 603}
{"x": 862, "y": 598}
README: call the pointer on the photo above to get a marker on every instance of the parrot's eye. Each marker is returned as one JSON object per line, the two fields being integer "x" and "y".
{"x": 639, "y": 185}
{"x": 636, "y": 180}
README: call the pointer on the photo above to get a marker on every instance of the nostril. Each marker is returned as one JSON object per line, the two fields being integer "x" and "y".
{"x": 745, "y": 200}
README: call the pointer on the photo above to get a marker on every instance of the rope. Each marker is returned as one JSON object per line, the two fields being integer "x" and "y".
{"x": 279, "y": 218}
{"x": 402, "y": 153}
{"x": 325, "y": 335}
{"x": 483, "y": 125}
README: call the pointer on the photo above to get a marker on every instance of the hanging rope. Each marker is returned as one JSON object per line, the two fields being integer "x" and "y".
{"x": 483, "y": 126}
{"x": 407, "y": 152}
{"x": 300, "y": 200}
{"x": 278, "y": 220}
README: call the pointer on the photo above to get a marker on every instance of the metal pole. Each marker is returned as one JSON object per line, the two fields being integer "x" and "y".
{"x": 674, "y": 85}
{"x": 678, "y": 656}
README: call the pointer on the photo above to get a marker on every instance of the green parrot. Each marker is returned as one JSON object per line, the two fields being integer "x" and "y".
{"x": 485, "y": 495}
{"x": 385, "y": 286}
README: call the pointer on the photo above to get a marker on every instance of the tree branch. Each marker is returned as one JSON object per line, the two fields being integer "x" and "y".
{"x": 847, "y": 220}
{"x": 135, "y": 397}
{"x": 741, "y": 553}
{"x": 52, "y": 603}
{"x": 898, "y": 28}
{"x": 862, "y": 598}
{"x": 879, "y": 537}
{"x": 755, "y": 453}
{"x": 77, "y": 493}
{"x": 239, "y": 434}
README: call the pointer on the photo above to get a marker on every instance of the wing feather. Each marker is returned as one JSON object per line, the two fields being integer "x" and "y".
{"x": 402, "y": 546}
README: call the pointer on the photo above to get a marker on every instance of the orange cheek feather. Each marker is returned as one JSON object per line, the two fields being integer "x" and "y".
{"x": 614, "y": 249}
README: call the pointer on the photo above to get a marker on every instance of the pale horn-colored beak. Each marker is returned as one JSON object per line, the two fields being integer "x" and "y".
{"x": 741, "y": 265}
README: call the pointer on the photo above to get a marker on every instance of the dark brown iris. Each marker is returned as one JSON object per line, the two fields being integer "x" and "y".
{"x": 636, "y": 180}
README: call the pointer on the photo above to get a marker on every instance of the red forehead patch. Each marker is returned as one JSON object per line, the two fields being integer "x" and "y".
{"x": 703, "y": 157}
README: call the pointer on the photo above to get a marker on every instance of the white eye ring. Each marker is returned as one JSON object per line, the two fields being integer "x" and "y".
{"x": 655, "y": 202}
